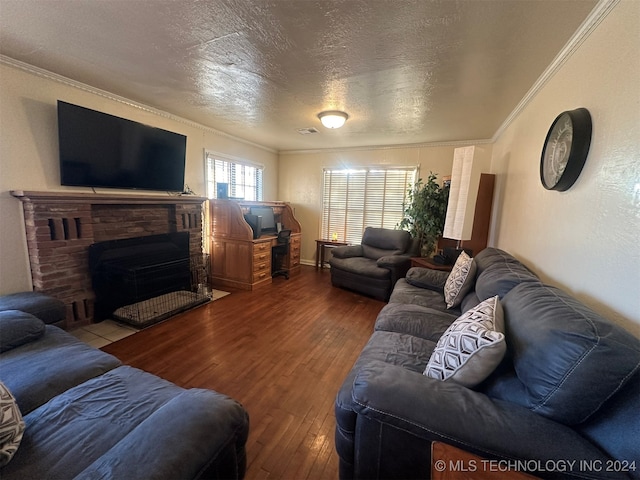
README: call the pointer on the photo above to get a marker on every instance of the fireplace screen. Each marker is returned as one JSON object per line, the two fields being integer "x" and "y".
{"x": 144, "y": 280}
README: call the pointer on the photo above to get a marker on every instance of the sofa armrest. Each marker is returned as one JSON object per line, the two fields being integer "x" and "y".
{"x": 427, "y": 278}
{"x": 18, "y": 328}
{"x": 347, "y": 251}
{"x": 397, "y": 264}
{"x": 394, "y": 261}
{"x": 198, "y": 434}
{"x": 404, "y": 401}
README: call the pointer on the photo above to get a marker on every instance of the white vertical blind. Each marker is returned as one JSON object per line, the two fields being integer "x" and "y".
{"x": 354, "y": 199}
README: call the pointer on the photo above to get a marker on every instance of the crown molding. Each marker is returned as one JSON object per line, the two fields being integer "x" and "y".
{"x": 452, "y": 143}
{"x": 597, "y": 15}
{"x": 40, "y": 72}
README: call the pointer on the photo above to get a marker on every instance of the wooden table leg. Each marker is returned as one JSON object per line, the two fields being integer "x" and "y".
{"x": 318, "y": 248}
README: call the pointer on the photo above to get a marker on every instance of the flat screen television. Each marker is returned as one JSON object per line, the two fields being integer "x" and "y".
{"x": 268, "y": 223}
{"x": 102, "y": 150}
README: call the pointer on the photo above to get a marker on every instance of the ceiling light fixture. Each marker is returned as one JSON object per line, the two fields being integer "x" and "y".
{"x": 333, "y": 118}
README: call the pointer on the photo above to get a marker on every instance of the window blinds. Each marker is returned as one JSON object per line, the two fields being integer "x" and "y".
{"x": 244, "y": 180}
{"x": 353, "y": 199}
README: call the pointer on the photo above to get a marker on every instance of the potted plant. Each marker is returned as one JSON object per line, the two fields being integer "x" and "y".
{"x": 425, "y": 212}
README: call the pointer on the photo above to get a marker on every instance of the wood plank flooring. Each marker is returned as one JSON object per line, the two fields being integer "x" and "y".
{"x": 282, "y": 351}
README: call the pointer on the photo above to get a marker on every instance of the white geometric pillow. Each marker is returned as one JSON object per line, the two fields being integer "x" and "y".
{"x": 11, "y": 425}
{"x": 472, "y": 347}
{"x": 460, "y": 280}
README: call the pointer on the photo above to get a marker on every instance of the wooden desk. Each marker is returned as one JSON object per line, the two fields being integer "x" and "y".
{"x": 427, "y": 262}
{"x": 320, "y": 246}
{"x": 237, "y": 259}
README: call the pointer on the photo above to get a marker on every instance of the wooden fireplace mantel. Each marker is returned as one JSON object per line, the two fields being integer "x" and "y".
{"x": 105, "y": 198}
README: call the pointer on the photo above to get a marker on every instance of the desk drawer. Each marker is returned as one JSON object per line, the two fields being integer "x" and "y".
{"x": 294, "y": 257}
{"x": 262, "y": 256}
{"x": 294, "y": 251}
{"x": 262, "y": 266}
{"x": 262, "y": 247}
{"x": 261, "y": 275}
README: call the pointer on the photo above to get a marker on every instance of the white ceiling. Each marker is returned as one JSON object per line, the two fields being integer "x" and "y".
{"x": 405, "y": 71}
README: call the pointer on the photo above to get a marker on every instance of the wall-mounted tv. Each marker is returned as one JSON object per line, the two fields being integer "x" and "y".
{"x": 102, "y": 150}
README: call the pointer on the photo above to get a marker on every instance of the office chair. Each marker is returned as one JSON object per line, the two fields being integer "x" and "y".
{"x": 279, "y": 254}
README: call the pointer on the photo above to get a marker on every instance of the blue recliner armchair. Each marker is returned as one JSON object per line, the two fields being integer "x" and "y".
{"x": 373, "y": 267}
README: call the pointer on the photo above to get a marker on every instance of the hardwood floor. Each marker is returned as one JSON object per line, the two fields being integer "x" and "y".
{"x": 282, "y": 351}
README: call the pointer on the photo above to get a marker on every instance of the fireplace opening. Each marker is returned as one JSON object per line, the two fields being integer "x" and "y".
{"x": 144, "y": 280}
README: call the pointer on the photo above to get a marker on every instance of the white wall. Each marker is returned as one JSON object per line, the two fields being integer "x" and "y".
{"x": 587, "y": 239}
{"x": 29, "y": 153}
{"x": 300, "y": 178}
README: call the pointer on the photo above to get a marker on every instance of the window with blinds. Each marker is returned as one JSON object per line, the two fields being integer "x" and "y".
{"x": 358, "y": 198}
{"x": 243, "y": 179}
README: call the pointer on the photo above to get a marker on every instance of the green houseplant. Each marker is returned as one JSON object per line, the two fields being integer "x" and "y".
{"x": 425, "y": 211}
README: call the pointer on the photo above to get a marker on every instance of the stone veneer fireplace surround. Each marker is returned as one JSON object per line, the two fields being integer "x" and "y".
{"x": 60, "y": 227}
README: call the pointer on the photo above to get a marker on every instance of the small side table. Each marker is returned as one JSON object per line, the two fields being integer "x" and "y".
{"x": 320, "y": 246}
{"x": 427, "y": 262}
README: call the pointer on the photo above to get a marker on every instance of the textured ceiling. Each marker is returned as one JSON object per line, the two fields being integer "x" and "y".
{"x": 405, "y": 71}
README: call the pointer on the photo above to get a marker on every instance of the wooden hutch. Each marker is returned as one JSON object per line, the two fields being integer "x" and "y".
{"x": 237, "y": 259}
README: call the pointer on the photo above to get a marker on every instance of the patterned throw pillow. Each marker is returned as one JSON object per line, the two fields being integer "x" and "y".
{"x": 472, "y": 347}
{"x": 460, "y": 280}
{"x": 11, "y": 425}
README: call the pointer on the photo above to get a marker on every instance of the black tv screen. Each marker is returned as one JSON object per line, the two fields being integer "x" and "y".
{"x": 102, "y": 150}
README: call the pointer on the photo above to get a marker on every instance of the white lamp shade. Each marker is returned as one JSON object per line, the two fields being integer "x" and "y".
{"x": 463, "y": 193}
{"x": 333, "y": 118}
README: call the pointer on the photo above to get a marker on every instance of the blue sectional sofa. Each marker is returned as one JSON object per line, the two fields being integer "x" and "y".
{"x": 563, "y": 401}
{"x": 88, "y": 416}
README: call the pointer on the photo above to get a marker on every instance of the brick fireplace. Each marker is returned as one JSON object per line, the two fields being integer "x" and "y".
{"x": 61, "y": 226}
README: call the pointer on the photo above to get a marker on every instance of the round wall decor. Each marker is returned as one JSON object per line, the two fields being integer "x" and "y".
{"x": 565, "y": 149}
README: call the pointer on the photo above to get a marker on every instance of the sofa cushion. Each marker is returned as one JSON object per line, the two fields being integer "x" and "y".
{"x": 569, "y": 359}
{"x": 615, "y": 428}
{"x": 39, "y": 370}
{"x": 360, "y": 266}
{"x": 472, "y": 347}
{"x": 11, "y": 425}
{"x": 18, "y": 328}
{"x": 498, "y": 272}
{"x": 74, "y": 429}
{"x": 404, "y": 292}
{"x": 386, "y": 239}
{"x": 469, "y": 301}
{"x": 48, "y": 309}
{"x": 415, "y": 320}
{"x": 400, "y": 349}
{"x": 374, "y": 253}
{"x": 427, "y": 278}
{"x": 460, "y": 281}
